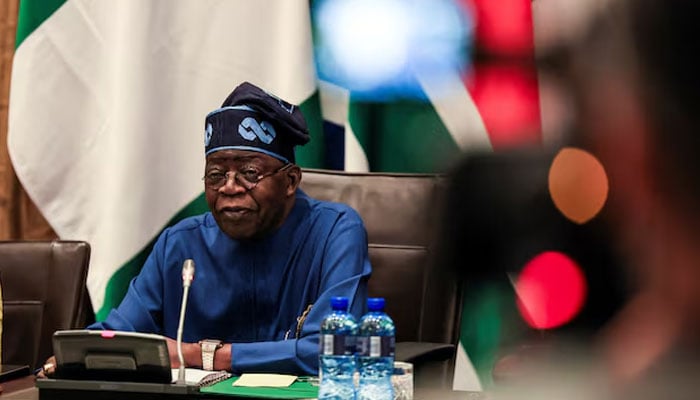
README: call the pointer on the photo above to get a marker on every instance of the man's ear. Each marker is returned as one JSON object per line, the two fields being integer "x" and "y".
{"x": 293, "y": 175}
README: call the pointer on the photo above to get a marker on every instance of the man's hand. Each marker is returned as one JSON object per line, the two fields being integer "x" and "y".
{"x": 48, "y": 369}
{"x": 191, "y": 353}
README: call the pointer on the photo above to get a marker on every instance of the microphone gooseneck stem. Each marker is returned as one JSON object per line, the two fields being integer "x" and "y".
{"x": 181, "y": 370}
{"x": 187, "y": 277}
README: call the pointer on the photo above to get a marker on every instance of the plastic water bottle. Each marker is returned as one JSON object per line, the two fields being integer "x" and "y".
{"x": 337, "y": 353}
{"x": 375, "y": 344}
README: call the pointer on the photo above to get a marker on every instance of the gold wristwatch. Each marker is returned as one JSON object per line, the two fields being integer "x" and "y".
{"x": 209, "y": 347}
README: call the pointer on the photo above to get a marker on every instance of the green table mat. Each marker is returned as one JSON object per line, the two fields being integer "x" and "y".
{"x": 297, "y": 390}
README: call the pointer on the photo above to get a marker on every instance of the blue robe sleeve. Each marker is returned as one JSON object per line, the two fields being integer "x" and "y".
{"x": 142, "y": 307}
{"x": 346, "y": 269}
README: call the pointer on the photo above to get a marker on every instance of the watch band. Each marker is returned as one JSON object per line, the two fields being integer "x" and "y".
{"x": 209, "y": 347}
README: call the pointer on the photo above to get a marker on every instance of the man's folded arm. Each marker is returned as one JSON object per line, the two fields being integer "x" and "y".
{"x": 346, "y": 272}
{"x": 294, "y": 355}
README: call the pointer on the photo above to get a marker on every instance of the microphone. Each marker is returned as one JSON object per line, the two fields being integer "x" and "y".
{"x": 187, "y": 277}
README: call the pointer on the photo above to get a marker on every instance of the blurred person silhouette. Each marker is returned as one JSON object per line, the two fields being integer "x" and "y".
{"x": 499, "y": 219}
{"x": 637, "y": 93}
{"x": 638, "y": 90}
{"x": 635, "y": 87}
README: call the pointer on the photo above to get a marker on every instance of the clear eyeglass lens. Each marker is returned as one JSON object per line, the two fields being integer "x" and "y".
{"x": 218, "y": 180}
{"x": 248, "y": 181}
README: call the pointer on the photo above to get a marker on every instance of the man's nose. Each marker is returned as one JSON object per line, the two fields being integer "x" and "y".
{"x": 231, "y": 185}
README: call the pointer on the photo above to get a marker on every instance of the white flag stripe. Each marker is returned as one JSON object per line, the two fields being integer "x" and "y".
{"x": 335, "y": 102}
{"x": 355, "y": 157}
{"x": 457, "y": 110}
{"x": 108, "y": 101}
{"x": 465, "y": 377}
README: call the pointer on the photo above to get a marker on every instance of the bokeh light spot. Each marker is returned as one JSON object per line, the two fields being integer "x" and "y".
{"x": 551, "y": 290}
{"x": 578, "y": 184}
{"x": 377, "y": 48}
{"x": 508, "y": 100}
{"x": 504, "y": 27}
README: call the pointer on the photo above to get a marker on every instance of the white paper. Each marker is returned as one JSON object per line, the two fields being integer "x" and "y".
{"x": 192, "y": 375}
{"x": 265, "y": 380}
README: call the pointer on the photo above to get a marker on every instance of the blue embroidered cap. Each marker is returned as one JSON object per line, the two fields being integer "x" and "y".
{"x": 254, "y": 120}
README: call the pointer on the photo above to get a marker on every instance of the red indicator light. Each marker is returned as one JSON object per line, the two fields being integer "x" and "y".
{"x": 550, "y": 290}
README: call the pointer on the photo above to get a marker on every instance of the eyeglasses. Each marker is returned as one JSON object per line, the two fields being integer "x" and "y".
{"x": 249, "y": 179}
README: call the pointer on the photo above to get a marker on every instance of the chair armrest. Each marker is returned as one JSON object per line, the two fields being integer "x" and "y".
{"x": 420, "y": 352}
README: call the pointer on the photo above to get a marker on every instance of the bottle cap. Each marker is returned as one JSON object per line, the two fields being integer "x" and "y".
{"x": 375, "y": 304}
{"x": 339, "y": 303}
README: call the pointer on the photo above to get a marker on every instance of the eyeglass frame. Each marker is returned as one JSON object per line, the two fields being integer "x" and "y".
{"x": 242, "y": 181}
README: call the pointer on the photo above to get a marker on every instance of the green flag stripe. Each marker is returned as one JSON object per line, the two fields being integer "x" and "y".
{"x": 312, "y": 155}
{"x": 404, "y": 136}
{"x": 119, "y": 282}
{"x": 481, "y": 327}
{"x": 31, "y": 14}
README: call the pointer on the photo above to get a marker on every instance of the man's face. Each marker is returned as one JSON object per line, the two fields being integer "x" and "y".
{"x": 245, "y": 210}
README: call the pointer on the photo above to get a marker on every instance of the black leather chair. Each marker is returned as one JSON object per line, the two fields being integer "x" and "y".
{"x": 43, "y": 290}
{"x": 400, "y": 212}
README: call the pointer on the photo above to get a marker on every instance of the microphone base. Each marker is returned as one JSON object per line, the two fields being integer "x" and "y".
{"x": 181, "y": 375}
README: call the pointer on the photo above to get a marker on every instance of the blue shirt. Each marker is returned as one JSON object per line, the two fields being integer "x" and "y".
{"x": 250, "y": 293}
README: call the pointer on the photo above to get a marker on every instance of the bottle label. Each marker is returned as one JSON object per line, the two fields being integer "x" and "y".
{"x": 376, "y": 346}
{"x": 337, "y": 345}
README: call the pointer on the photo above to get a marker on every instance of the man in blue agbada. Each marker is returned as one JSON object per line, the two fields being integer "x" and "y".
{"x": 268, "y": 257}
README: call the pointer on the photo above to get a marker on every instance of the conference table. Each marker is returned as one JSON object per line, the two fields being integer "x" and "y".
{"x": 26, "y": 389}
{"x": 20, "y": 388}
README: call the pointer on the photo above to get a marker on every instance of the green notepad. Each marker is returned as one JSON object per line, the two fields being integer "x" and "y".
{"x": 297, "y": 390}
